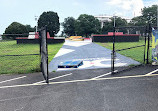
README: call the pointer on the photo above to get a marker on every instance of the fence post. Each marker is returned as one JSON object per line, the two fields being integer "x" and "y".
{"x": 148, "y": 46}
{"x": 44, "y": 53}
{"x": 113, "y": 54}
{"x": 145, "y": 45}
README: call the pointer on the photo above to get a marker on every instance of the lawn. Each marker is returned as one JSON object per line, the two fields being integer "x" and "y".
{"x": 135, "y": 53}
{"x": 23, "y": 64}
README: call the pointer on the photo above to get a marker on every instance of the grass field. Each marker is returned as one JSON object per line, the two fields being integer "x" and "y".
{"x": 23, "y": 64}
{"x": 135, "y": 53}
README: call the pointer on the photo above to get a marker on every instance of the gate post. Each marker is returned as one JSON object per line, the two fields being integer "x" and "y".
{"x": 44, "y": 53}
{"x": 145, "y": 44}
{"x": 113, "y": 54}
{"x": 148, "y": 45}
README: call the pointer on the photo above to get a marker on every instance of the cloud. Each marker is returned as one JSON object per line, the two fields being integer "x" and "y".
{"x": 75, "y": 3}
{"x": 150, "y": 3}
{"x": 127, "y": 6}
{"x": 137, "y": 7}
{"x": 124, "y": 4}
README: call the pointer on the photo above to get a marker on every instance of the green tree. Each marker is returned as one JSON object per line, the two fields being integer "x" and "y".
{"x": 150, "y": 13}
{"x": 138, "y": 21}
{"x": 86, "y": 25}
{"x": 69, "y": 26}
{"x": 108, "y": 26}
{"x": 119, "y": 22}
{"x": 29, "y": 28}
{"x": 15, "y": 28}
{"x": 51, "y": 20}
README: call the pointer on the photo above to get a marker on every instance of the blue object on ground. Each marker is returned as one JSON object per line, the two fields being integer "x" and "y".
{"x": 70, "y": 64}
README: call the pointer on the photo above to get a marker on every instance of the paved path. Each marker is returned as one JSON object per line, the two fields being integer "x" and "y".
{"x": 93, "y": 56}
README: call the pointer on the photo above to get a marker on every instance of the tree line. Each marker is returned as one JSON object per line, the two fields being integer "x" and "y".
{"x": 84, "y": 25}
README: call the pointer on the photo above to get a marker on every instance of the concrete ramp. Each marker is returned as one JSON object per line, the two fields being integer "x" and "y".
{"x": 92, "y": 55}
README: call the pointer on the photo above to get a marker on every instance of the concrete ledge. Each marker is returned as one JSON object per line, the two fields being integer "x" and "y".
{"x": 119, "y": 38}
{"x": 36, "y": 41}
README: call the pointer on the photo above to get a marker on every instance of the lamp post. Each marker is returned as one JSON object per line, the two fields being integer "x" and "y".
{"x": 36, "y": 19}
{"x": 114, "y": 21}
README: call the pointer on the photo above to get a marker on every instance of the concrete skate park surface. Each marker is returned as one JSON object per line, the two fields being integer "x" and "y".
{"x": 92, "y": 55}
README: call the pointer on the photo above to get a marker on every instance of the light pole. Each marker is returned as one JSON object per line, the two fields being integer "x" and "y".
{"x": 114, "y": 21}
{"x": 36, "y": 19}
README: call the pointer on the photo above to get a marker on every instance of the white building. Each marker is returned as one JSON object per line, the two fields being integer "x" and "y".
{"x": 105, "y": 18}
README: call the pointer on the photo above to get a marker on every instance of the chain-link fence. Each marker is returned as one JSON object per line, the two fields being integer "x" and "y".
{"x": 19, "y": 56}
{"x": 131, "y": 47}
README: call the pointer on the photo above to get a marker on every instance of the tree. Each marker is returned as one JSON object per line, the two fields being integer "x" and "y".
{"x": 119, "y": 22}
{"x": 15, "y": 28}
{"x": 29, "y": 28}
{"x": 138, "y": 21}
{"x": 69, "y": 26}
{"x": 150, "y": 13}
{"x": 51, "y": 20}
{"x": 86, "y": 25}
{"x": 108, "y": 26}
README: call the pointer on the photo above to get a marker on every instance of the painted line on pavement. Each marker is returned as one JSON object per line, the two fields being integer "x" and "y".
{"x": 109, "y": 78}
{"x": 12, "y": 79}
{"x": 103, "y": 75}
{"x": 152, "y": 72}
{"x": 74, "y": 81}
{"x": 54, "y": 78}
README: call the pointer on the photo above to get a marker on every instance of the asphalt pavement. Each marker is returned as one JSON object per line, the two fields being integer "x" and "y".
{"x": 81, "y": 90}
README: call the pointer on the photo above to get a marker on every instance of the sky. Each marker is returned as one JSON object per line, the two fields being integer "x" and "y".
{"x": 24, "y": 11}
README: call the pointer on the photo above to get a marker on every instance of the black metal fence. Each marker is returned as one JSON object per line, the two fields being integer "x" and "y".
{"x": 18, "y": 58}
{"x": 126, "y": 55}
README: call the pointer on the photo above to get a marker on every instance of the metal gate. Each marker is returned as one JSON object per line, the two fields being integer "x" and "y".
{"x": 142, "y": 48}
{"x": 17, "y": 56}
{"x": 25, "y": 53}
